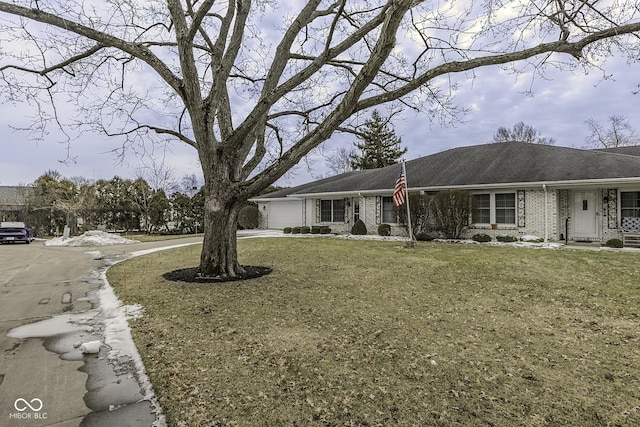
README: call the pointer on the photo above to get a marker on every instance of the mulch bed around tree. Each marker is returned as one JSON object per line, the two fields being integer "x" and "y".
{"x": 192, "y": 275}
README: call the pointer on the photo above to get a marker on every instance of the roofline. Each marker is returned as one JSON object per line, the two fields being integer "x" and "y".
{"x": 276, "y": 199}
{"x": 565, "y": 183}
{"x": 556, "y": 184}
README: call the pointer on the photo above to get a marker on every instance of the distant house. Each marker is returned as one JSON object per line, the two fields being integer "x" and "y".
{"x": 13, "y": 200}
{"x": 522, "y": 189}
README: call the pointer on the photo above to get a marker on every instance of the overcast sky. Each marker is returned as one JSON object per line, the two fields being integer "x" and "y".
{"x": 558, "y": 108}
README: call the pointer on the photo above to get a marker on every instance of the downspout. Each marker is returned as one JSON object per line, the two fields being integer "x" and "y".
{"x": 546, "y": 214}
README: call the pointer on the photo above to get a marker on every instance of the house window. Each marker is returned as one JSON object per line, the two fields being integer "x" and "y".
{"x": 481, "y": 209}
{"x": 630, "y": 204}
{"x": 388, "y": 211}
{"x": 332, "y": 210}
{"x": 494, "y": 208}
{"x": 506, "y": 208}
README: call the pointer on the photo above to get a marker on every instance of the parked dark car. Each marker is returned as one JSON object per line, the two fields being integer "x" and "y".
{"x": 11, "y": 232}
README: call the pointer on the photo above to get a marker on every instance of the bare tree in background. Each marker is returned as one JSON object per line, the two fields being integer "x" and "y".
{"x": 522, "y": 132}
{"x": 189, "y": 184}
{"x": 339, "y": 160}
{"x": 159, "y": 175}
{"x": 253, "y": 86}
{"x": 616, "y": 132}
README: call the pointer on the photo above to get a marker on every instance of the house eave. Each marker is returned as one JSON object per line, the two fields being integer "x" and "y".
{"x": 605, "y": 182}
{"x": 536, "y": 184}
{"x": 276, "y": 199}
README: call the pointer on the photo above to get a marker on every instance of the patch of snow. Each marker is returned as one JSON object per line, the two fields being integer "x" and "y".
{"x": 90, "y": 238}
{"x": 372, "y": 237}
{"x": 531, "y": 244}
{"x": 115, "y": 316}
{"x": 152, "y": 250}
{"x": 528, "y": 241}
{"x": 91, "y": 347}
{"x": 96, "y": 255}
{"x": 60, "y": 324}
{"x": 117, "y": 336}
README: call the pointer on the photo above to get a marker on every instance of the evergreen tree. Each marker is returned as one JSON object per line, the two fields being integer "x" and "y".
{"x": 380, "y": 146}
{"x": 158, "y": 209}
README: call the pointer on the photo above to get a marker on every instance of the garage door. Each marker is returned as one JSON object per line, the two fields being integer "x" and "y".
{"x": 285, "y": 214}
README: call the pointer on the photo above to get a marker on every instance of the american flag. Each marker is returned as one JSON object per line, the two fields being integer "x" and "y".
{"x": 398, "y": 191}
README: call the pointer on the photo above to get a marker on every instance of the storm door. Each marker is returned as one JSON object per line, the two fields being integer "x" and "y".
{"x": 584, "y": 218}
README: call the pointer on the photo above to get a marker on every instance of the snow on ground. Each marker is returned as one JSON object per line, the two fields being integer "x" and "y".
{"x": 90, "y": 238}
{"x": 526, "y": 241}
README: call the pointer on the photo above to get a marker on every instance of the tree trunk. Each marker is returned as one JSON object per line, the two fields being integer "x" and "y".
{"x": 219, "y": 255}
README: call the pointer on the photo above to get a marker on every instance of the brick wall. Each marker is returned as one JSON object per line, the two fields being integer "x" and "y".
{"x": 530, "y": 215}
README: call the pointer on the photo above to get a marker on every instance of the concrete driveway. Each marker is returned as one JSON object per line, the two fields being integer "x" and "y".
{"x": 44, "y": 378}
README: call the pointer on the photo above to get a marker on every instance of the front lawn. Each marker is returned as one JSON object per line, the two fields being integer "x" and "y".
{"x": 368, "y": 333}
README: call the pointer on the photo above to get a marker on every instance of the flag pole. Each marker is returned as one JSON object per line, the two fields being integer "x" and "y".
{"x": 406, "y": 194}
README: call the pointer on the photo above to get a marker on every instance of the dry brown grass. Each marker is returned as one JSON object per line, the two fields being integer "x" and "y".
{"x": 369, "y": 333}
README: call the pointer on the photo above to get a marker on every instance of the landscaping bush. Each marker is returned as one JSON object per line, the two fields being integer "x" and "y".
{"x": 249, "y": 217}
{"x": 287, "y": 230}
{"x": 315, "y": 229}
{"x": 482, "y": 238}
{"x": 451, "y": 210}
{"x": 384, "y": 230}
{"x": 359, "y": 229}
{"x": 325, "y": 230}
{"x": 419, "y": 211}
{"x": 295, "y": 230}
{"x": 506, "y": 239}
{"x": 424, "y": 237}
{"x": 305, "y": 230}
{"x": 614, "y": 243}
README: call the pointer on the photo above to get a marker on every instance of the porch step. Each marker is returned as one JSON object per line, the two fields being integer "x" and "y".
{"x": 631, "y": 239}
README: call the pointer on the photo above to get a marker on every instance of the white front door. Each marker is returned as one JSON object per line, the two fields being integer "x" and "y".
{"x": 584, "y": 215}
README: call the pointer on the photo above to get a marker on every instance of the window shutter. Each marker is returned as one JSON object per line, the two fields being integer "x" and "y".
{"x": 612, "y": 208}
{"x": 304, "y": 212}
{"x": 521, "y": 209}
{"x": 346, "y": 210}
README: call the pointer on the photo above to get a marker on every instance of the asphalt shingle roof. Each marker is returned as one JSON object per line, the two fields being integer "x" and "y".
{"x": 631, "y": 150}
{"x": 496, "y": 163}
{"x": 304, "y": 187}
{"x": 12, "y": 196}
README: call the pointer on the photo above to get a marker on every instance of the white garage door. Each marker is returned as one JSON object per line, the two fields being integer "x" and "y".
{"x": 285, "y": 214}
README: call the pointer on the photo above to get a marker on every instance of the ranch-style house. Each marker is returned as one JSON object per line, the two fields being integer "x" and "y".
{"x": 518, "y": 189}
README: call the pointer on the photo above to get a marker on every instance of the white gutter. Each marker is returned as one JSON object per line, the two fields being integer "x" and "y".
{"x": 276, "y": 199}
{"x": 546, "y": 214}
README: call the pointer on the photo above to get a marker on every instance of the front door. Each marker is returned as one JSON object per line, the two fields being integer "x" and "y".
{"x": 584, "y": 215}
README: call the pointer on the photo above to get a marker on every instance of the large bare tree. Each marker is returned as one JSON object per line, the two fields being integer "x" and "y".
{"x": 253, "y": 86}
{"x": 616, "y": 132}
